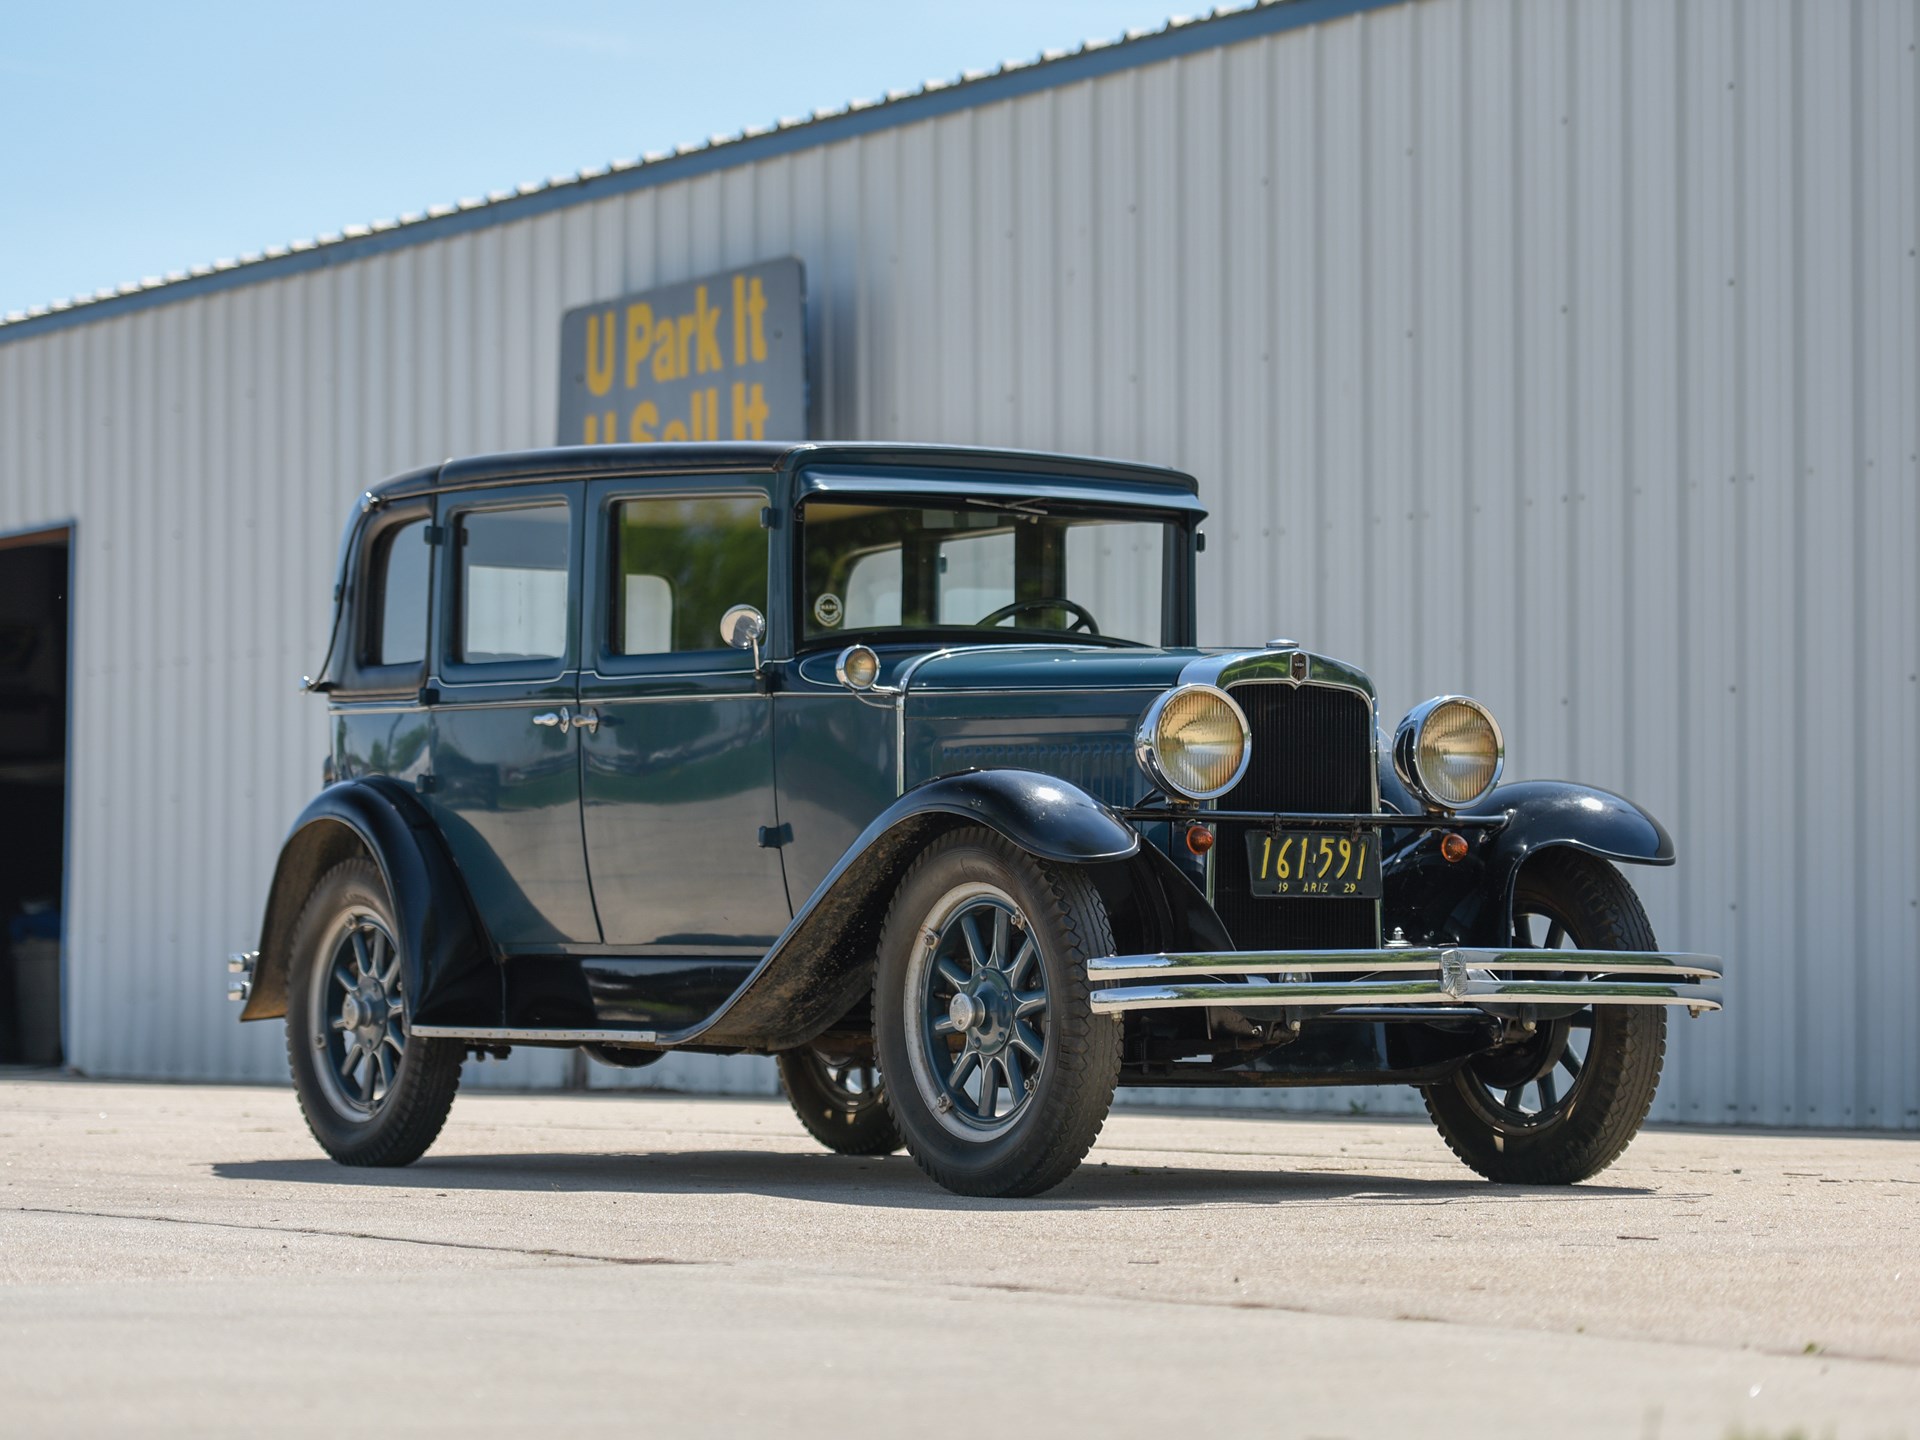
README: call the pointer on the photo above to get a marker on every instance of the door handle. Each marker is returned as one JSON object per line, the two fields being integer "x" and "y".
{"x": 555, "y": 719}
{"x": 587, "y": 720}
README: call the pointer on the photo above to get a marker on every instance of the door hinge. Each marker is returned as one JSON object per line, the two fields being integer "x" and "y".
{"x": 772, "y": 837}
{"x": 429, "y": 695}
{"x": 435, "y": 534}
{"x": 769, "y": 518}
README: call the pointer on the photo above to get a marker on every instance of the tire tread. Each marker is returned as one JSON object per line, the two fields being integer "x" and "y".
{"x": 1624, "y": 1086}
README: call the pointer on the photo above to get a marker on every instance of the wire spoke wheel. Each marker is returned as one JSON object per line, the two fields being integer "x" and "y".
{"x": 979, "y": 1011}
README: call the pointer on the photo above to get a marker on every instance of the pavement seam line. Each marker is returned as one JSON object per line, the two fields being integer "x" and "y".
{"x": 540, "y": 1254}
{"x": 882, "y": 1281}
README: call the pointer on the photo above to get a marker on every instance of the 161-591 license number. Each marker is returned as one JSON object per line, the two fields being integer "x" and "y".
{"x": 1313, "y": 863}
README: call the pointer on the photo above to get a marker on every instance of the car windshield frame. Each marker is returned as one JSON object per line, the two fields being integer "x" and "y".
{"x": 1178, "y": 525}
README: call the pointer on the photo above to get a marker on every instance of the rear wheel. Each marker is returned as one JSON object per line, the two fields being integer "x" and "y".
{"x": 841, "y": 1099}
{"x": 372, "y": 1094}
{"x": 1001, "y": 1073}
{"x": 1561, "y": 1104}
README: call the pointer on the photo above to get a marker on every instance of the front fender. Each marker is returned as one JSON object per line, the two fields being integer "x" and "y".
{"x": 821, "y": 965}
{"x": 449, "y": 969}
{"x": 1472, "y": 901}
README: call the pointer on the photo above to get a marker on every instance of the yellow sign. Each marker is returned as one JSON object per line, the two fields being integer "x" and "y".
{"x": 718, "y": 358}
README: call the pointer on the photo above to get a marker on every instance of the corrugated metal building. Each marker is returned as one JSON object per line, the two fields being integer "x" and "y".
{"x": 1567, "y": 354}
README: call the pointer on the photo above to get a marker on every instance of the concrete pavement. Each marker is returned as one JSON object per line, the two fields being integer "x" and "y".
{"x": 179, "y": 1259}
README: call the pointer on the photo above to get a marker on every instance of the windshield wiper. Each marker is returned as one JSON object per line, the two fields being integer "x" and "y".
{"x": 1035, "y": 508}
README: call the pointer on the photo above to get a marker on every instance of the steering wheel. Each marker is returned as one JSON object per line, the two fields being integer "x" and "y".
{"x": 1083, "y": 617}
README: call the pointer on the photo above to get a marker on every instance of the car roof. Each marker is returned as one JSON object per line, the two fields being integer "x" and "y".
{"x": 589, "y": 462}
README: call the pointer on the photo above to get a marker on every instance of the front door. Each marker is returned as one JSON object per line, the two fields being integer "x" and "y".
{"x": 505, "y": 783}
{"x": 682, "y": 832}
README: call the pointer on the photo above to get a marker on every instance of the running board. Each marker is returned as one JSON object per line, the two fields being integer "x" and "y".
{"x": 535, "y": 1035}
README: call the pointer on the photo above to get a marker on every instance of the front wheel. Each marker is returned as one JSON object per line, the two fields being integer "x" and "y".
{"x": 1560, "y": 1105}
{"x": 1000, "y": 1074}
{"x": 372, "y": 1094}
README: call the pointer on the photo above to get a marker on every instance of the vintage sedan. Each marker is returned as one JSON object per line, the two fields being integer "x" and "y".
{"x": 901, "y": 764}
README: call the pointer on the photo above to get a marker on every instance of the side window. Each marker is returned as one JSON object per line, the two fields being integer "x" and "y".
{"x": 396, "y": 626}
{"x": 513, "y": 584}
{"x": 678, "y": 565}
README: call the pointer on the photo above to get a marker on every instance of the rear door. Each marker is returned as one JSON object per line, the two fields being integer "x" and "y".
{"x": 506, "y": 755}
{"x": 682, "y": 830}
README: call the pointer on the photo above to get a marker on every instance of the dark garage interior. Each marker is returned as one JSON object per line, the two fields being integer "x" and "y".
{"x": 33, "y": 789}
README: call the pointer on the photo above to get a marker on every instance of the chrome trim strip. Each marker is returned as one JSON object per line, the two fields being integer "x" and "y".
{"x": 1292, "y": 963}
{"x": 1143, "y": 689}
{"x": 612, "y": 702}
{"x": 641, "y": 1039}
{"x": 1475, "y": 995}
{"x": 436, "y": 682}
{"x": 1453, "y": 977}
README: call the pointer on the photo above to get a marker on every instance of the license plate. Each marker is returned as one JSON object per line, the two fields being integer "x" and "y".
{"x": 1314, "y": 864}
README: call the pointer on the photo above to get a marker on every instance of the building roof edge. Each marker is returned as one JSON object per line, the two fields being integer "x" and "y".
{"x": 1179, "y": 36}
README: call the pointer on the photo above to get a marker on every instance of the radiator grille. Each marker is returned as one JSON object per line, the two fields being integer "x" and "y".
{"x": 1313, "y": 753}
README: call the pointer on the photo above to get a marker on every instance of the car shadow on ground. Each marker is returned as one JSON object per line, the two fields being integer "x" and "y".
{"x": 896, "y": 1181}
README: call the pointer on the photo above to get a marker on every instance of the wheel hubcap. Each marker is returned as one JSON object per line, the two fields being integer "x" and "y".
{"x": 977, "y": 1003}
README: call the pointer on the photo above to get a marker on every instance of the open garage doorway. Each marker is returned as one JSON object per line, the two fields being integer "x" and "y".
{"x": 35, "y": 591}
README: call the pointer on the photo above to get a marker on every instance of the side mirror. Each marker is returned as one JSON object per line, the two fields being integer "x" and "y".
{"x": 743, "y": 628}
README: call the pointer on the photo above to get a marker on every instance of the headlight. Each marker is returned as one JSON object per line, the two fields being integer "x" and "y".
{"x": 1194, "y": 740}
{"x": 1449, "y": 752}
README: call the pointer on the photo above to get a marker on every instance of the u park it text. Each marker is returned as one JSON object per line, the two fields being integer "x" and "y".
{"x": 717, "y": 358}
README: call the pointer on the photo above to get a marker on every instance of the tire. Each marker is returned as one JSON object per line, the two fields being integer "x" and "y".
{"x": 1482, "y": 1110}
{"x": 842, "y": 1100}
{"x": 386, "y": 1107}
{"x": 976, "y": 917}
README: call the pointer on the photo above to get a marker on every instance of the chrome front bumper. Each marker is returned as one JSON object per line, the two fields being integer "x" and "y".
{"x": 1451, "y": 978}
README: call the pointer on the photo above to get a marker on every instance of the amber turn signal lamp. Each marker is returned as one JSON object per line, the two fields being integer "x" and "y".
{"x": 1453, "y": 848}
{"x": 1199, "y": 839}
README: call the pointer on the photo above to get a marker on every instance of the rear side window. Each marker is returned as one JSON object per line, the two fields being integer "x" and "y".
{"x": 397, "y": 616}
{"x": 513, "y": 584}
{"x": 679, "y": 565}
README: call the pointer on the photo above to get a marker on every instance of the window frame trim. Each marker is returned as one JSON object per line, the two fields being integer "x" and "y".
{"x": 604, "y": 497}
{"x": 453, "y": 672}
{"x": 358, "y": 677}
{"x": 1177, "y": 570}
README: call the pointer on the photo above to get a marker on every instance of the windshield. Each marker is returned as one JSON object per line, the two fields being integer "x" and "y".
{"x": 873, "y": 571}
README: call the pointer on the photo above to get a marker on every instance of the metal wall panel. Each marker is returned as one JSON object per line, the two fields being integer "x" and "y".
{"x": 1567, "y": 354}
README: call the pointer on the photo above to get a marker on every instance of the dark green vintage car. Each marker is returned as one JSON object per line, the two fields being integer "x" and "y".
{"x": 901, "y": 761}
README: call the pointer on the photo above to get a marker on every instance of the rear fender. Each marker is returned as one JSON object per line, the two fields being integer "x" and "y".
{"x": 1471, "y": 901}
{"x": 449, "y": 965}
{"x": 821, "y": 967}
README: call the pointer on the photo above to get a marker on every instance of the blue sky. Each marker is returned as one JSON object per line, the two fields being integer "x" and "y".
{"x": 137, "y": 138}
